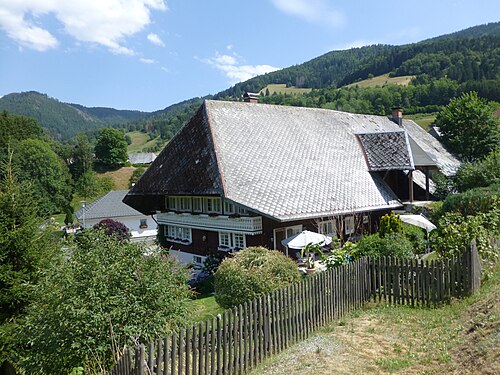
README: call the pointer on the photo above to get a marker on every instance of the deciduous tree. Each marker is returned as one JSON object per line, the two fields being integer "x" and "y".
{"x": 111, "y": 148}
{"x": 96, "y": 298}
{"x": 468, "y": 127}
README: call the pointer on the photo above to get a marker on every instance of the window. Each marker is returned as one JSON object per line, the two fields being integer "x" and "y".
{"x": 172, "y": 203}
{"x": 327, "y": 228}
{"x": 184, "y": 204}
{"x": 229, "y": 240}
{"x": 242, "y": 211}
{"x": 225, "y": 239}
{"x": 178, "y": 234}
{"x": 239, "y": 240}
{"x": 213, "y": 205}
{"x": 143, "y": 223}
{"x": 349, "y": 224}
{"x": 179, "y": 203}
{"x": 197, "y": 204}
{"x": 228, "y": 208}
{"x": 197, "y": 259}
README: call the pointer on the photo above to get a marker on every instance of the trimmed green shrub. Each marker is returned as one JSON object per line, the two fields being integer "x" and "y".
{"x": 253, "y": 272}
{"x": 473, "y": 201}
{"x": 393, "y": 244}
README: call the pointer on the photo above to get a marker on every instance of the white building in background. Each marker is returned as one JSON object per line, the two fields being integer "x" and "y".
{"x": 111, "y": 206}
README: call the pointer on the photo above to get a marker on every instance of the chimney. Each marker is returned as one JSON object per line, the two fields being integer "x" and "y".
{"x": 397, "y": 115}
{"x": 251, "y": 97}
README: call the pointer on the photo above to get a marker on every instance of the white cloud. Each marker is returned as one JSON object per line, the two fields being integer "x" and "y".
{"x": 107, "y": 23}
{"x": 314, "y": 11}
{"x": 166, "y": 70}
{"x": 155, "y": 39}
{"x": 230, "y": 65}
{"x": 147, "y": 61}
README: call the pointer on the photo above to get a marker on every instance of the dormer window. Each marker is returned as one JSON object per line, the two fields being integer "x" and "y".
{"x": 213, "y": 205}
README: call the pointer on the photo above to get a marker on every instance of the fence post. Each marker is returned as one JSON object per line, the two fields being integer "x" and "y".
{"x": 475, "y": 268}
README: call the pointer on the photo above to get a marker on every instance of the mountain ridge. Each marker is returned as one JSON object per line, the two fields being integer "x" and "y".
{"x": 332, "y": 69}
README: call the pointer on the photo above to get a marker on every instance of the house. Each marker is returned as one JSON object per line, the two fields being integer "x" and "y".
{"x": 111, "y": 206}
{"x": 240, "y": 174}
{"x": 143, "y": 158}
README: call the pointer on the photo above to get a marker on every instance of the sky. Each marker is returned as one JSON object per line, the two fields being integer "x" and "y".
{"x": 149, "y": 54}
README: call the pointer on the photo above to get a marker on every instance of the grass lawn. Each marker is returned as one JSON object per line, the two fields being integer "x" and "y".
{"x": 382, "y": 80}
{"x": 460, "y": 338}
{"x": 204, "y": 308}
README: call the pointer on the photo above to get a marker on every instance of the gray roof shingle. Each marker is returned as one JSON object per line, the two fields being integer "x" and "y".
{"x": 387, "y": 151}
{"x": 108, "y": 206}
{"x": 143, "y": 158}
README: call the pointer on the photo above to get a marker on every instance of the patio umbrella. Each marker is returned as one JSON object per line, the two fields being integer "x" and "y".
{"x": 298, "y": 241}
{"x": 418, "y": 221}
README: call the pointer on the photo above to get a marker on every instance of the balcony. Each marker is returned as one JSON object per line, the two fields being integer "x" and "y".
{"x": 244, "y": 225}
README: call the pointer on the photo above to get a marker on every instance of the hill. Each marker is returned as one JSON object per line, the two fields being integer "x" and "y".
{"x": 443, "y": 67}
{"x": 461, "y": 55}
{"x": 63, "y": 120}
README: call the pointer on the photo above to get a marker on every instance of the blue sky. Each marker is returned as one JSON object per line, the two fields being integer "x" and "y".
{"x": 149, "y": 54}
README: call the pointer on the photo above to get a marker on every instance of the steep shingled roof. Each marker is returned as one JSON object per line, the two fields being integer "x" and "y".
{"x": 284, "y": 162}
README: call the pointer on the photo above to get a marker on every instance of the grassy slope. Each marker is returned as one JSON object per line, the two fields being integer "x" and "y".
{"x": 459, "y": 338}
{"x": 282, "y": 89}
{"x": 383, "y": 80}
{"x": 140, "y": 141}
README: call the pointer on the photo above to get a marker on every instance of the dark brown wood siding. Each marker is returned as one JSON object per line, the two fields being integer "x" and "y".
{"x": 205, "y": 242}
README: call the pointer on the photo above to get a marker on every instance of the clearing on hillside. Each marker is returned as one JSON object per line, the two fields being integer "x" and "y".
{"x": 120, "y": 177}
{"x": 140, "y": 142}
{"x": 382, "y": 80}
{"x": 280, "y": 88}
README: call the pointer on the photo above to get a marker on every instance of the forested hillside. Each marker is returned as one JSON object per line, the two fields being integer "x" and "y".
{"x": 443, "y": 67}
{"x": 63, "y": 120}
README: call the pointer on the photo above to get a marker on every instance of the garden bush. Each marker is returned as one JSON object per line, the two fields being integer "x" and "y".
{"x": 416, "y": 236}
{"x": 473, "y": 201}
{"x": 455, "y": 233}
{"x": 393, "y": 244}
{"x": 390, "y": 223}
{"x": 253, "y": 272}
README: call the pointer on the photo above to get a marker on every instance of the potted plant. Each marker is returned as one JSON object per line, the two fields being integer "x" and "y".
{"x": 309, "y": 251}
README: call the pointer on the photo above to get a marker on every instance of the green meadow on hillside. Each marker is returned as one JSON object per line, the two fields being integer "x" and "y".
{"x": 382, "y": 80}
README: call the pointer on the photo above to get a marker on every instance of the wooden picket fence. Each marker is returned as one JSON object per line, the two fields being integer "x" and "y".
{"x": 240, "y": 338}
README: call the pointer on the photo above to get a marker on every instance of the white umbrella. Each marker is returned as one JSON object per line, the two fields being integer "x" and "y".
{"x": 418, "y": 221}
{"x": 298, "y": 241}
